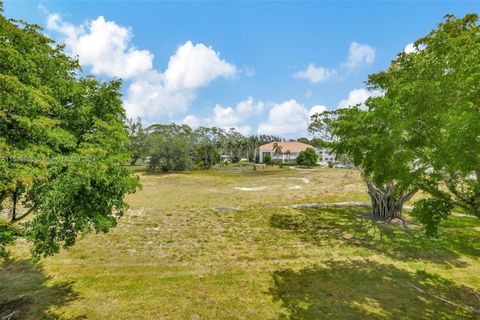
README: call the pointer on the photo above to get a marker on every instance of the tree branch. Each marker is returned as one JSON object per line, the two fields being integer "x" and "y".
{"x": 26, "y": 214}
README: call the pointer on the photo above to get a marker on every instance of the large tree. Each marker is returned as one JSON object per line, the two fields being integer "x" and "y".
{"x": 170, "y": 155}
{"x": 424, "y": 132}
{"x": 62, "y": 144}
{"x": 198, "y": 148}
{"x": 206, "y": 146}
{"x": 137, "y": 145}
{"x": 436, "y": 94}
{"x": 371, "y": 138}
{"x": 308, "y": 158}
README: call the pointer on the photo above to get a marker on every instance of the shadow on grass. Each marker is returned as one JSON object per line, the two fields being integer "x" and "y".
{"x": 26, "y": 294}
{"x": 358, "y": 289}
{"x": 350, "y": 226}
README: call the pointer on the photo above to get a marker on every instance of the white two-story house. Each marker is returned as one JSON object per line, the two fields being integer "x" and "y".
{"x": 290, "y": 151}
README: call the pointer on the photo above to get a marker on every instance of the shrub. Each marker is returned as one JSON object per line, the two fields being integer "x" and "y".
{"x": 307, "y": 158}
{"x": 277, "y": 163}
{"x": 267, "y": 159}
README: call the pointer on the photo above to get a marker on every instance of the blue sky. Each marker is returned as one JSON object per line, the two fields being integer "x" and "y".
{"x": 261, "y": 67}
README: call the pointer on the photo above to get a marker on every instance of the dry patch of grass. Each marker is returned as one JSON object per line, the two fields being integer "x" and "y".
{"x": 174, "y": 257}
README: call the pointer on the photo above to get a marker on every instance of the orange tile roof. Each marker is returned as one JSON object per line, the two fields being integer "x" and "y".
{"x": 293, "y": 146}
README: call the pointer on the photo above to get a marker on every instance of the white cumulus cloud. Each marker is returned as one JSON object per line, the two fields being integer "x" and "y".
{"x": 195, "y": 66}
{"x": 249, "y": 107}
{"x": 317, "y": 109}
{"x": 358, "y": 96}
{"x": 315, "y": 74}
{"x": 106, "y": 48}
{"x": 149, "y": 98}
{"x": 288, "y": 118}
{"x": 165, "y": 94}
{"x": 359, "y": 55}
{"x": 409, "y": 48}
{"x": 191, "y": 121}
{"x": 102, "y": 45}
{"x": 227, "y": 117}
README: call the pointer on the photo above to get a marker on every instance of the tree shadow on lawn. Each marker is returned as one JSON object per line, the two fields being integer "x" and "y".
{"x": 359, "y": 289}
{"x": 355, "y": 227}
{"x": 26, "y": 294}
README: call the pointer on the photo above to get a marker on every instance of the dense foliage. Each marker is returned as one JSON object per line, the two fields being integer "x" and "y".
{"x": 436, "y": 89}
{"x": 170, "y": 156}
{"x": 62, "y": 143}
{"x": 375, "y": 145}
{"x": 314, "y": 142}
{"x": 307, "y": 158}
{"x": 137, "y": 144}
{"x": 424, "y": 132}
{"x": 267, "y": 159}
{"x": 173, "y": 147}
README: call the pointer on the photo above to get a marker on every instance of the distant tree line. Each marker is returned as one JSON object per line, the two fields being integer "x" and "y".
{"x": 314, "y": 142}
{"x": 175, "y": 147}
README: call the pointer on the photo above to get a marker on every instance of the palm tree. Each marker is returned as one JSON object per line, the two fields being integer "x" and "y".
{"x": 288, "y": 153}
{"x": 277, "y": 149}
{"x": 253, "y": 145}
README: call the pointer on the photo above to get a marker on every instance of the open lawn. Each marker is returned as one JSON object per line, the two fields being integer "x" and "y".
{"x": 218, "y": 245}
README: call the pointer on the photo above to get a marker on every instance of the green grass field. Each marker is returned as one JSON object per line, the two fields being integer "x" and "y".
{"x": 174, "y": 257}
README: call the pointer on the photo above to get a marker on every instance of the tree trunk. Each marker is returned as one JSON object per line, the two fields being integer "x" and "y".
{"x": 14, "y": 205}
{"x": 134, "y": 160}
{"x": 386, "y": 203}
{"x": 468, "y": 198}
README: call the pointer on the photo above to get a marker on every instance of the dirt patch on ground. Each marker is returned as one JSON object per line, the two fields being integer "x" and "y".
{"x": 295, "y": 187}
{"x": 252, "y": 188}
{"x": 149, "y": 184}
{"x": 304, "y": 180}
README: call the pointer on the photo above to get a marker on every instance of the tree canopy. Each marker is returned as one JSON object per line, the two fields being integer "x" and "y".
{"x": 137, "y": 146}
{"x": 202, "y": 148}
{"x": 62, "y": 144}
{"x": 371, "y": 140}
{"x": 308, "y": 157}
{"x": 424, "y": 132}
{"x": 436, "y": 94}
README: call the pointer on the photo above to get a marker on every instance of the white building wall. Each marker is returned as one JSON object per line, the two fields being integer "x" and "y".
{"x": 260, "y": 158}
{"x": 327, "y": 155}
